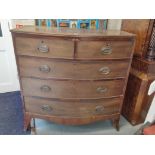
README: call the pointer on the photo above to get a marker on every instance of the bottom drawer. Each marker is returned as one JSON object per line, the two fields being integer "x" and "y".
{"x": 72, "y": 108}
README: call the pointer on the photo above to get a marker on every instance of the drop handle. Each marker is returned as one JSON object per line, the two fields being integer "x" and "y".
{"x": 101, "y": 90}
{"x": 44, "y": 68}
{"x": 106, "y": 50}
{"x": 45, "y": 88}
{"x": 104, "y": 70}
{"x": 43, "y": 48}
{"x": 46, "y": 108}
{"x": 99, "y": 109}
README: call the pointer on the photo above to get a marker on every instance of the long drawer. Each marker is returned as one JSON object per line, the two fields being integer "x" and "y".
{"x": 71, "y": 88}
{"x": 52, "y": 48}
{"x": 47, "y": 68}
{"x": 104, "y": 49}
{"x": 72, "y": 108}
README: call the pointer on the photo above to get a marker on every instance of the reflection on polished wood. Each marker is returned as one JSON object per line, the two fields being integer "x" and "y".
{"x": 72, "y": 76}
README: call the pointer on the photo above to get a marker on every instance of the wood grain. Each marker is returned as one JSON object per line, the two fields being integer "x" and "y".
{"x": 75, "y": 120}
{"x": 72, "y": 88}
{"x": 58, "y": 48}
{"x": 92, "y": 49}
{"x": 68, "y": 32}
{"x": 63, "y": 72}
{"x": 137, "y": 101}
{"x": 140, "y": 28}
{"x": 30, "y": 67}
{"x": 72, "y": 108}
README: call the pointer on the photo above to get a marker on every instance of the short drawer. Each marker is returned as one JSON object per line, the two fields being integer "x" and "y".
{"x": 104, "y": 49}
{"x": 72, "y": 89}
{"x": 52, "y": 48}
{"x": 47, "y": 68}
{"x": 72, "y": 108}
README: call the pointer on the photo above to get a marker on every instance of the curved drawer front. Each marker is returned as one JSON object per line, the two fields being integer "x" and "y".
{"x": 72, "y": 89}
{"x": 72, "y": 108}
{"x": 52, "y": 48}
{"x": 46, "y": 68}
{"x": 104, "y": 49}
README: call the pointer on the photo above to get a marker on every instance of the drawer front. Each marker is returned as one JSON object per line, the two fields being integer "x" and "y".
{"x": 46, "y": 68}
{"x": 104, "y": 49}
{"x": 72, "y": 108}
{"x": 72, "y": 89}
{"x": 52, "y": 48}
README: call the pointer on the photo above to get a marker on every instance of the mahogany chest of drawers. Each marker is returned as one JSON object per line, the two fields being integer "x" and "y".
{"x": 72, "y": 76}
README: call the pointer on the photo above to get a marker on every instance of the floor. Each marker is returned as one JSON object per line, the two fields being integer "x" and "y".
{"x": 11, "y": 114}
{"x": 100, "y": 128}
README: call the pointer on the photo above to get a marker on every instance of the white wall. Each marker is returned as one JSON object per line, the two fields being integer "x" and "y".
{"x": 114, "y": 24}
{"x": 8, "y": 69}
{"x": 14, "y": 22}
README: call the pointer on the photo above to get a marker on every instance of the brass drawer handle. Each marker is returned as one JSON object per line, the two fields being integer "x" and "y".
{"x": 106, "y": 50}
{"x": 104, "y": 70}
{"x": 99, "y": 109}
{"x": 43, "y": 48}
{"x": 45, "y": 88}
{"x": 44, "y": 68}
{"x": 46, "y": 108}
{"x": 101, "y": 90}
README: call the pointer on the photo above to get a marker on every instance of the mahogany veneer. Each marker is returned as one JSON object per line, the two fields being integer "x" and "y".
{"x": 72, "y": 76}
{"x": 142, "y": 73}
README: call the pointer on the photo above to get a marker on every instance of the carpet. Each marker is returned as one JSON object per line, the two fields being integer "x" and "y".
{"x": 11, "y": 115}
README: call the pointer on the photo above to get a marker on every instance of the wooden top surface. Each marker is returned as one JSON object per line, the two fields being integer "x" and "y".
{"x": 69, "y": 32}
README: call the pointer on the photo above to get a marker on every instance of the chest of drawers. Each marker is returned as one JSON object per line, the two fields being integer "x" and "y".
{"x": 72, "y": 76}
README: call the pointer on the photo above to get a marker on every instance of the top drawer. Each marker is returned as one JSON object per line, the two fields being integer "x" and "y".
{"x": 104, "y": 49}
{"x": 52, "y": 48}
